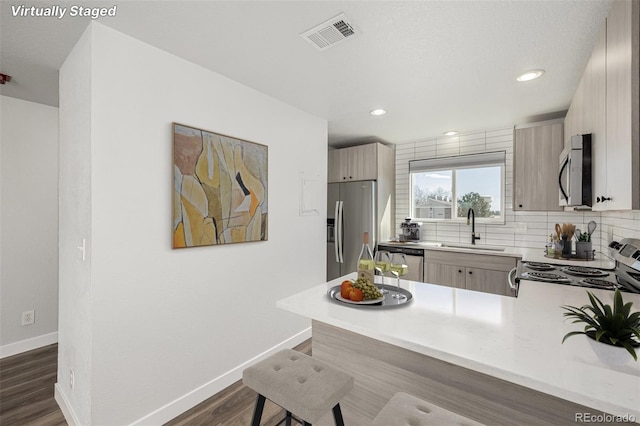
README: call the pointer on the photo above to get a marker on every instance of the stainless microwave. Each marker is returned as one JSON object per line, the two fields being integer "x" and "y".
{"x": 574, "y": 178}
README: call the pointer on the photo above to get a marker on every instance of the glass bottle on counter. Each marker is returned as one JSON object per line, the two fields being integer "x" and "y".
{"x": 365, "y": 260}
{"x": 557, "y": 251}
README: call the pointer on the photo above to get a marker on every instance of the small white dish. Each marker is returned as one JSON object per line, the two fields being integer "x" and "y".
{"x": 363, "y": 302}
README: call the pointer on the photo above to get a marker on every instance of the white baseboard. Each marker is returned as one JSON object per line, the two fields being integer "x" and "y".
{"x": 65, "y": 407}
{"x": 196, "y": 396}
{"x": 28, "y": 344}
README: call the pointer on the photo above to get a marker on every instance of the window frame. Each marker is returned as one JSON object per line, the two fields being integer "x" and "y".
{"x": 454, "y": 163}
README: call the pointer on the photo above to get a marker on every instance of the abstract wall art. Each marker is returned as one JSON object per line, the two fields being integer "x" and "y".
{"x": 219, "y": 189}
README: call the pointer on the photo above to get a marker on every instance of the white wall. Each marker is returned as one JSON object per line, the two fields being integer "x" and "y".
{"x": 165, "y": 322}
{"x": 29, "y": 224}
{"x": 76, "y": 313}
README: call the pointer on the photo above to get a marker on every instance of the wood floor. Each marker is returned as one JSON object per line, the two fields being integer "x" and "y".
{"x": 26, "y": 389}
{"x": 234, "y": 406}
{"x": 27, "y": 386}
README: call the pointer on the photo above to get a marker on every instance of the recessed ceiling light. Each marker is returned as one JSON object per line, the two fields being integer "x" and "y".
{"x": 530, "y": 75}
{"x": 378, "y": 111}
{"x": 450, "y": 133}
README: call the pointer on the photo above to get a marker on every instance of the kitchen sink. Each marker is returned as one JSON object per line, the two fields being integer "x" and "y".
{"x": 471, "y": 247}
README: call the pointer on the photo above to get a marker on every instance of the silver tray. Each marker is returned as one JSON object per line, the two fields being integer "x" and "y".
{"x": 387, "y": 303}
{"x": 572, "y": 257}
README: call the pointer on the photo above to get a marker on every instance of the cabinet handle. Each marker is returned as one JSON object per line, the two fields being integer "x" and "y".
{"x": 460, "y": 271}
{"x": 520, "y": 205}
{"x": 470, "y": 272}
{"x": 512, "y": 285}
{"x": 603, "y": 199}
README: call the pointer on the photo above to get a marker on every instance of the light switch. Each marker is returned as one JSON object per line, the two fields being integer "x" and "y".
{"x": 83, "y": 248}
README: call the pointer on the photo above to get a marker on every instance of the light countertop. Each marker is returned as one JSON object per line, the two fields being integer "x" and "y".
{"x": 514, "y": 339}
{"x": 532, "y": 255}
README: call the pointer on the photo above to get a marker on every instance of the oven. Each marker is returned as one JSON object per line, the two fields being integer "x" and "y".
{"x": 625, "y": 276}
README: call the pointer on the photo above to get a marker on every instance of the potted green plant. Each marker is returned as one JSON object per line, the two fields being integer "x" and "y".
{"x": 612, "y": 325}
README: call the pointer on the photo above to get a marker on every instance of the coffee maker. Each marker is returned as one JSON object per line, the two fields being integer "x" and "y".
{"x": 411, "y": 231}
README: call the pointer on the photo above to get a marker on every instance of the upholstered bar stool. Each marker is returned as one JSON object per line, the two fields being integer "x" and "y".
{"x": 405, "y": 409}
{"x": 300, "y": 384}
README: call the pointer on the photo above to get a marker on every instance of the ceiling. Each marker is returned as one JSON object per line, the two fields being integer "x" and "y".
{"x": 433, "y": 65}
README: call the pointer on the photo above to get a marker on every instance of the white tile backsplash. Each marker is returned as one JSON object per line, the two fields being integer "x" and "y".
{"x": 473, "y": 143}
{"x": 618, "y": 225}
{"x": 506, "y": 132}
{"x": 538, "y": 225}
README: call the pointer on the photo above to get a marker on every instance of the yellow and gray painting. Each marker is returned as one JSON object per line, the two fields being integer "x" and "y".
{"x": 219, "y": 189}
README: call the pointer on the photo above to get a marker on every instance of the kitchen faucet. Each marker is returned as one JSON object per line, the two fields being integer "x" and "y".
{"x": 472, "y": 215}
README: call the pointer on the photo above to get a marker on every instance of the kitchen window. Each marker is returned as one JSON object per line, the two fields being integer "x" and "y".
{"x": 445, "y": 188}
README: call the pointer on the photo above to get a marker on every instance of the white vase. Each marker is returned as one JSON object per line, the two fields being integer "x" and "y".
{"x": 609, "y": 354}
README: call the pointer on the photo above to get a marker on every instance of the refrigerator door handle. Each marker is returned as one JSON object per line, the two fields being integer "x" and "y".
{"x": 337, "y": 231}
{"x": 339, "y": 239}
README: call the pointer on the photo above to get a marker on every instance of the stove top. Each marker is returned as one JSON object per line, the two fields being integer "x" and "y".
{"x": 537, "y": 266}
{"x": 579, "y": 276}
{"x": 625, "y": 276}
{"x": 581, "y": 271}
{"x": 599, "y": 283}
{"x": 545, "y": 276}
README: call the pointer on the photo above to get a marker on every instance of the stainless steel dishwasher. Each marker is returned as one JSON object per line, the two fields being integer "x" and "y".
{"x": 415, "y": 260}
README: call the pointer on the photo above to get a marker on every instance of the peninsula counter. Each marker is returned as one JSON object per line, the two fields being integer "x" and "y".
{"x": 496, "y": 359}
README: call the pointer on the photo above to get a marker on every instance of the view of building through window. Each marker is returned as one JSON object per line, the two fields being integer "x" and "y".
{"x": 448, "y": 194}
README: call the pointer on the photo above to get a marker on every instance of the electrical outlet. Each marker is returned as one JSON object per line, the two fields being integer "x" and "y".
{"x": 72, "y": 379}
{"x": 520, "y": 227}
{"x": 28, "y": 317}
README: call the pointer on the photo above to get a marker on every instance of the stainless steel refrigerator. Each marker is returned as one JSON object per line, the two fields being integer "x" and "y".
{"x": 351, "y": 211}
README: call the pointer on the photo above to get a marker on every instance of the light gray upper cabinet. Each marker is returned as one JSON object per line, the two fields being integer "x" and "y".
{"x": 623, "y": 144}
{"x": 361, "y": 162}
{"x": 373, "y": 161}
{"x": 606, "y": 104}
{"x": 334, "y": 166}
{"x": 536, "y": 152}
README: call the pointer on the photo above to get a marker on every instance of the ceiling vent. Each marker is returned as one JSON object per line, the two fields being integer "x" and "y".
{"x": 330, "y": 33}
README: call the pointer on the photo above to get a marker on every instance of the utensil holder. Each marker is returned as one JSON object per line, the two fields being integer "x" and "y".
{"x": 584, "y": 249}
{"x": 566, "y": 247}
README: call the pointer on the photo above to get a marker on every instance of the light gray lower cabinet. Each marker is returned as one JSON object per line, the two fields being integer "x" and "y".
{"x": 488, "y": 281}
{"x": 479, "y": 272}
{"x": 443, "y": 274}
